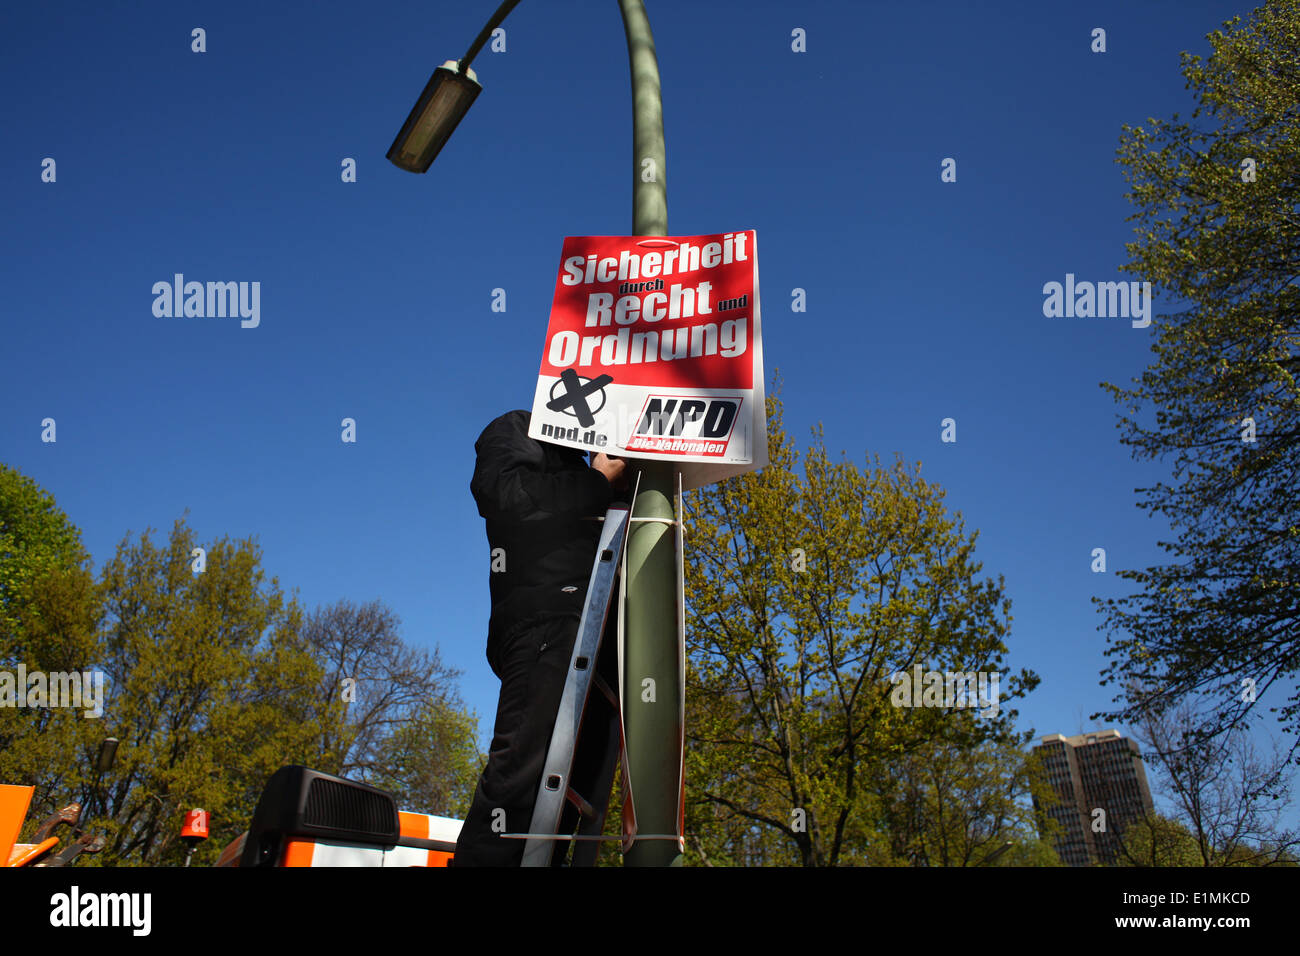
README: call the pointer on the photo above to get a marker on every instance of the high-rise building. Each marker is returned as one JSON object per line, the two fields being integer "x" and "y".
{"x": 1090, "y": 772}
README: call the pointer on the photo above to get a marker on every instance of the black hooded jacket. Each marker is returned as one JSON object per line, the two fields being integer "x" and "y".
{"x": 539, "y": 500}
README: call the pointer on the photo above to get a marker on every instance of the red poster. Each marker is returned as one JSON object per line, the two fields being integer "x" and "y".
{"x": 654, "y": 350}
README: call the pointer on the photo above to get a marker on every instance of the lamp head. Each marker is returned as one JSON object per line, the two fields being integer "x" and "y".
{"x": 447, "y": 97}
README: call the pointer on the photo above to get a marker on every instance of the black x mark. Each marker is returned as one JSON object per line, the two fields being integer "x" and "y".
{"x": 575, "y": 394}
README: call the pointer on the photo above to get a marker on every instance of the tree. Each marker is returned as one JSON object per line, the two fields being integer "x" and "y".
{"x": 430, "y": 763}
{"x": 389, "y": 691}
{"x": 212, "y": 681}
{"x": 49, "y": 614}
{"x": 805, "y": 595}
{"x": 1228, "y": 797}
{"x": 949, "y": 805}
{"x": 1218, "y": 207}
{"x": 1157, "y": 840}
{"x": 211, "y": 688}
{"x": 36, "y": 540}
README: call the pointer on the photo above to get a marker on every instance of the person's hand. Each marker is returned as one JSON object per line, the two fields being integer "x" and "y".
{"x": 613, "y": 468}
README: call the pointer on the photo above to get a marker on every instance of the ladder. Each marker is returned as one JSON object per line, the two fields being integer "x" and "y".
{"x": 587, "y": 740}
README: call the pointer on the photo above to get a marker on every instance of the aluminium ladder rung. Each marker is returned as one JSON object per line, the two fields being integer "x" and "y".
{"x": 605, "y": 690}
{"x": 585, "y": 808}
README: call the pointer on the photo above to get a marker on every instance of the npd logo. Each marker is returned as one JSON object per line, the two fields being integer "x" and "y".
{"x": 685, "y": 425}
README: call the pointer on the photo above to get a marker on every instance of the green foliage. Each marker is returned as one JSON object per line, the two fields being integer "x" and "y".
{"x": 213, "y": 680}
{"x": 1225, "y": 251}
{"x": 1158, "y": 841}
{"x": 212, "y": 688}
{"x": 805, "y": 593}
{"x": 37, "y": 543}
{"x": 49, "y": 613}
{"x": 948, "y": 805}
{"x": 431, "y": 763}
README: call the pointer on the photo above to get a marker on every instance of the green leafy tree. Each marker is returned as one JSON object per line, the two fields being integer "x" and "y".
{"x": 948, "y": 805}
{"x": 1218, "y": 210}
{"x": 430, "y": 763}
{"x": 49, "y": 614}
{"x": 212, "y": 688}
{"x": 213, "y": 681}
{"x": 1157, "y": 840}
{"x": 36, "y": 541}
{"x": 806, "y": 592}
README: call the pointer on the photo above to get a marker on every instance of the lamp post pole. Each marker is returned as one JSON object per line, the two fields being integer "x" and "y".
{"x": 651, "y": 712}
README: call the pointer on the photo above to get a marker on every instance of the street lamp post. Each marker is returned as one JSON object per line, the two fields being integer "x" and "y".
{"x": 653, "y": 723}
{"x": 652, "y": 647}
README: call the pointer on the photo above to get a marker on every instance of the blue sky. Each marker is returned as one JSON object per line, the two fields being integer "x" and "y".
{"x": 924, "y": 298}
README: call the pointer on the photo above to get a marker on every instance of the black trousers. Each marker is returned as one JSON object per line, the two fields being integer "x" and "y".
{"x": 532, "y": 660}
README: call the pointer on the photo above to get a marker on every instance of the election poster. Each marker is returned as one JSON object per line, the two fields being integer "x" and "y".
{"x": 654, "y": 350}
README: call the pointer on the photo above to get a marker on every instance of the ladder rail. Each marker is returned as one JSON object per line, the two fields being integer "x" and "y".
{"x": 553, "y": 792}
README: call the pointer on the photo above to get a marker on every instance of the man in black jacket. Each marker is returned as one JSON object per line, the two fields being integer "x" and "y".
{"x": 540, "y": 501}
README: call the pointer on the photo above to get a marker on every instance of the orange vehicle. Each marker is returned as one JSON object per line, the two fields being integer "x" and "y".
{"x": 308, "y": 818}
{"x": 303, "y": 818}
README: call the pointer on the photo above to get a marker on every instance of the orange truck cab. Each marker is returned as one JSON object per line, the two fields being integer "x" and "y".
{"x": 307, "y": 818}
